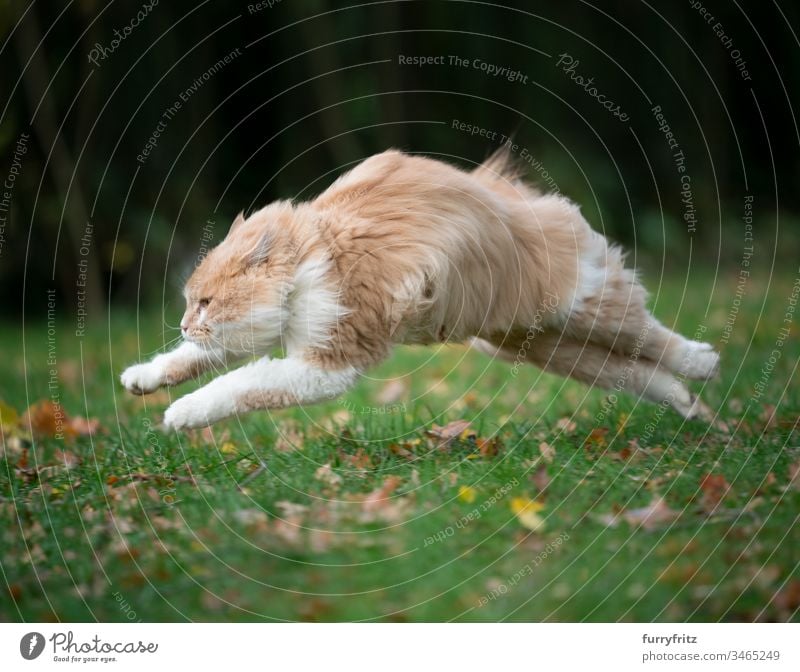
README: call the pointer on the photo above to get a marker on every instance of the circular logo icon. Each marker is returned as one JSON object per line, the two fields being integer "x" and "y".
{"x": 31, "y": 645}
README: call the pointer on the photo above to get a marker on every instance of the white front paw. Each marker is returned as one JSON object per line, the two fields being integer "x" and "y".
{"x": 198, "y": 409}
{"x": 142, "y": 378}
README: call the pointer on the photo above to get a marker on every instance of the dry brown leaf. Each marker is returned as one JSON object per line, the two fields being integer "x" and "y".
{"x": 488, "y": 447}
{"x": 792, "y": 425}
{"x": 794, "y": 475}
{"x": 69, "y": 460}
{"x": 252, "y": 517}
{"x": 84, "y": 426}
{"x": 566, "y": 425}
{"x": 449, "y": 432}
{"x": 654, "y": 515}
{"x": 289, "y": 439}
{"x": 208, "y": 435}
{"x": 291, "y": 509}
{"x": 714, "y": 487}
{"x": 540, "y": 478}
{"x": 788, "y": 598}
{"x": 49, "y": 419}
{"x": 381, "y": 496}
{"x": 46, "y": 418}
{"x": 361, "y": 460}
{"x": 392, "y": 392}
{"x": 596, "y": 438}
{"x": 327, "y": 475}
{"x": 767, "y": 416}
{"x": 401, "y": 451}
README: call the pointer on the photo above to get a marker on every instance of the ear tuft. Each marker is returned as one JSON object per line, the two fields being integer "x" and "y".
{"x": 237, "y": 222}
{"x": 260, "y": 253}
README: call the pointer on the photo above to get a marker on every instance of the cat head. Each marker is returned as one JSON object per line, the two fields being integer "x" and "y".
{"x": 237, "y": 297}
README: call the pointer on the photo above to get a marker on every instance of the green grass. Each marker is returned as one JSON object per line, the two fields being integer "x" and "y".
{"x": 242, "y": 525}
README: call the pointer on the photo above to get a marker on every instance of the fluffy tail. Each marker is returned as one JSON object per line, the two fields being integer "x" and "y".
{"x": 503, "y": 173}
{"x": 499, "y": 166}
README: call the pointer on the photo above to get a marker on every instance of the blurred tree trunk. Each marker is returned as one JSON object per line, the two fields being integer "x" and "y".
{"x": 327, "y": 89}
{"x": 392, "y": 106}
{"x": 27, "y": 41}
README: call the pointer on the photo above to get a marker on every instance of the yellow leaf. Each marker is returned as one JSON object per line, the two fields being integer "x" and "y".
{"x": 467, "y": 494}
{"x": 8, "y": 415}
{"x": 526, "y": 510}
{"x": 227, "y": 448}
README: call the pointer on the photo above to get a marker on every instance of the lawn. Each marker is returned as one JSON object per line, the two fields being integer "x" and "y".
{"x": 553, "y": 503}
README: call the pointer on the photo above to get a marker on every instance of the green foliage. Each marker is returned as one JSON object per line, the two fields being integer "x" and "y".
{"x": 280, "y": 516}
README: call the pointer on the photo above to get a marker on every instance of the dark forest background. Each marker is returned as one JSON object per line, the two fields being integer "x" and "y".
{"x": 316, "y": 86}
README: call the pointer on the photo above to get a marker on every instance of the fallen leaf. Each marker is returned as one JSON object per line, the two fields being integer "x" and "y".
{"x": 291, "y": 509}
{"x": 290, "y": 438}
{"x": 361, "y": 460}
{"x": 228, "y": 448}
{"x": 449, "y": 432}
{"x": 326, "y": 474}
{"x": 340, "y": 417}
{"x": 653, "y": 515}
{"x": 526, "y": 510}
{"x": 69, "y": 460}
{"x": 540, "y": 478}
{"x": 767, "y": 416}
{"x": 381, "y": 496}
{"x": 769, "y": 480}
{"x": 84, "y": 426}
{"x": 630, "y": 452}
{"x": 566, "y": 425}
{"x": 393, "y": 391}
{"x": 49, "y": 419}
{"x": 208, "y": 436}
{"x": 794, "y": 475}
{"x": 547, "y": 451}
{"x": 252, "y": 517}
{"x": 402, "y": 450}
{"x": 488, "y": 447}
{"x": 788, "y": 598}
{"x": 8, "y": 417}
{"x": 467, "y": 493}
{"x": 596, "y": 438}
{"x": 791, "y": 425}
{"x": 46, "y": 419}
{"x": 714, "y": 487}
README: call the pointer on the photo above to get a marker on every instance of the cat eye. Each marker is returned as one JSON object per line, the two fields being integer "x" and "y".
{"x": 203, "y": 303}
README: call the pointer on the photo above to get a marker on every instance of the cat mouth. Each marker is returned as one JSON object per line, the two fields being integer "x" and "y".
{"x": 195, "y": 337}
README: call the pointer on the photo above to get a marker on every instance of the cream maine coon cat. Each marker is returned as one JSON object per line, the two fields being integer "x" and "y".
{"x": 406, "y": 249}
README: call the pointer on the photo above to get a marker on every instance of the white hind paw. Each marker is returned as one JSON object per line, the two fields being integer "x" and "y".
{"x": 699, "y": 362}
{"x": 693, "y": 407}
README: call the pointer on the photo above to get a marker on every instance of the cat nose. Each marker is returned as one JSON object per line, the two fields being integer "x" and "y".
{"x": 184, "y": 326}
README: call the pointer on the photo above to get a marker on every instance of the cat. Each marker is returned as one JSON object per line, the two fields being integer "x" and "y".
{"x": 409, "y": 249}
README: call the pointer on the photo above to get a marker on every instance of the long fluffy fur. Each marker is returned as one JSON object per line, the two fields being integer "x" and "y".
{"x": 407, "y": 249}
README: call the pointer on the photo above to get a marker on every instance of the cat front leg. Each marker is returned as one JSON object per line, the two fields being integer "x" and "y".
{"x": 186, "y": 361}
{"x": 266, "y": 383}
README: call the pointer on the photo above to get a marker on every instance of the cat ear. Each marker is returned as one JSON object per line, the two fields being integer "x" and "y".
{"x": 236, "y": 223}
{"x": 260, "y": 253}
